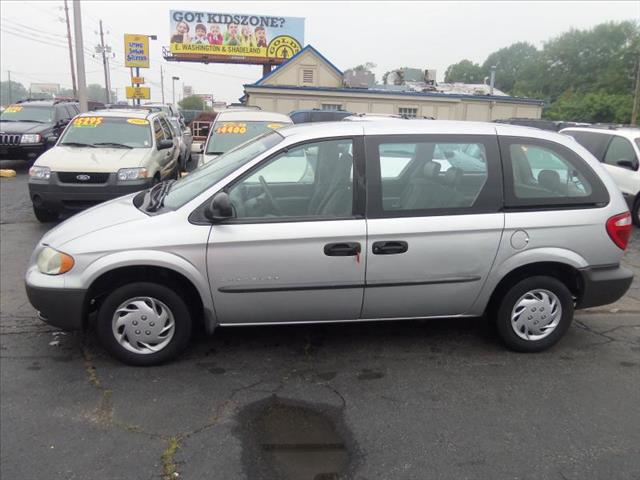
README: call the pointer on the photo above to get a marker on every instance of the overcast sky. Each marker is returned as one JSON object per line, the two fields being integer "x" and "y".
{"x": 389, "y": 34}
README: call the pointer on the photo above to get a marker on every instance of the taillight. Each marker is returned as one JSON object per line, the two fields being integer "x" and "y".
{"x": 619, "y": 229}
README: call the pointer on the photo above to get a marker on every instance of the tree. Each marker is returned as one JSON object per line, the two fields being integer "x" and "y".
{"x": 192, "y": 102}
{"x": 519, "y": 62}
{"x": 17, "y": 91}
{"x": 591, "y": 107}
{"x": 465, "y": 71}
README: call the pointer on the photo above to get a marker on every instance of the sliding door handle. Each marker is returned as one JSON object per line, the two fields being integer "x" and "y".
{"x": 393, "y": 247}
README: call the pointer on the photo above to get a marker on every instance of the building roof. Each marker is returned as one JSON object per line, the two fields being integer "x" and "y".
{"x": 373, "y": 91}
{"x": 308, "y": 48}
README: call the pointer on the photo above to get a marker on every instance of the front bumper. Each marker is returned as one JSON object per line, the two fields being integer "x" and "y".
{"x": 604, "y": 285}
{"x": 57, "y": 196}
{"x": 23, "y": 151}
{"x": 60, "y": 307}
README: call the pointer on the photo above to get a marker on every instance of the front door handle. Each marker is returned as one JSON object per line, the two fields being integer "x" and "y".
{"x": 343, "y": 249}
{"x": 392, "y": 247}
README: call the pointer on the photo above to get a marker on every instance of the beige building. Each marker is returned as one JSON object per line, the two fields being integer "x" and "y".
{"x": 310, "y": 81}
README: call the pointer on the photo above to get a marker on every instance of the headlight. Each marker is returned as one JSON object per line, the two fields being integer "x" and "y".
{"x": 41, "y": 173}
{"x": 31, "y": 138}
{"x": 125, "y": 174}
{"x": 53, "y": 262}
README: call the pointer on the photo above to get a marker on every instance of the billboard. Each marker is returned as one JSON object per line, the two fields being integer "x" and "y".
{"x": 235, "y": 38}
{"x": 136, "y": 50}
{"x": 51, "y": 88}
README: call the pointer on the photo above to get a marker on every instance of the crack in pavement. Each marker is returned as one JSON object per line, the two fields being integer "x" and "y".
{"x": 608, "y": 339}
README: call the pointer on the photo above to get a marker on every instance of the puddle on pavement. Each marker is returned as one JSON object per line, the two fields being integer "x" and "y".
{"x": 293, "y": 441}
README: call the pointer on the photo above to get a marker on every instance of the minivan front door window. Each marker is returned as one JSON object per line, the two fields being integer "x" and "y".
{"x": 312, "y": 180}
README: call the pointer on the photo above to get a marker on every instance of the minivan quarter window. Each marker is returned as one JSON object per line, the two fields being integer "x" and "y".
{"x": 543, "y": 173}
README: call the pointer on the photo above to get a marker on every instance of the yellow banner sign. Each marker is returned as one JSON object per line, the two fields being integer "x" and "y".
{"x": 87, "y": 121}
{"x": 136, "y": 50}
{"x": 137, "y": 79}
{"x": 139, "y": 92}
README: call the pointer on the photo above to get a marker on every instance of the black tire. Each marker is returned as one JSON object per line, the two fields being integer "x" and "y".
{"x": 635, "y": 211}
{"x": 45, "y": 215}
{"x": 170, "y": 298}
{"x": 511, "y": 297}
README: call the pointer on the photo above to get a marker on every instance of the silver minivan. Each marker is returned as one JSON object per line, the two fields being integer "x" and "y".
{"x": 346, "y": 221}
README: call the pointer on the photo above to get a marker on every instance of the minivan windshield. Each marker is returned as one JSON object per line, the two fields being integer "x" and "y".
{"x": 24, "y": 113}
{"x": 189, "y": 187}
{"x": 97, "y": 131}
{"x": 228, "y": 135}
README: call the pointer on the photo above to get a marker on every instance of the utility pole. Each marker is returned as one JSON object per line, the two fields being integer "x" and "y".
{"x": 173, "y": 79}
{"x": 636, "y": 97}
{"x": 82, "y": 78}
{"x": 107, "y": 87}
{"x": 162, "y": 83}
{"x": 73, "y": 69}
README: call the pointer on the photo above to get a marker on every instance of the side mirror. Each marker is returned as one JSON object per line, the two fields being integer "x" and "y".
{"x": 51, "y": 140}
{"x": 164, "y": 144}
{"x": 220, "y": 208}
{"x": 627, "y": 164}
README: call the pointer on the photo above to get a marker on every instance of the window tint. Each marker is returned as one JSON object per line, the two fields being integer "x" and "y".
{"x": 431, "y": 175}
{"x": 157, "y": 131}
{"x": 541, "y": 173}
{"x": 594, "y": 142}
{"x": 166, "y": 129}
{"x": 538, "y": 172}
{"x": 313, "y": 180}
{"x": 620, "y": 149}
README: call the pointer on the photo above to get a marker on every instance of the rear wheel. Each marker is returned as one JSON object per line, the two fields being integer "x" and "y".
{"x": 534, "y": 314}
{"x": 44, "y": 215}
{"x": 144, "y": 323}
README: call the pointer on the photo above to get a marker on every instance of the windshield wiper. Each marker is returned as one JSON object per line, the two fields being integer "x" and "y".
{"x": 113, "y": 144}
{"x": 154, "y": 198}
{"x": 28, "y": 120}
{"x": 7, "y": 120}
{"x": 78, "y": 144}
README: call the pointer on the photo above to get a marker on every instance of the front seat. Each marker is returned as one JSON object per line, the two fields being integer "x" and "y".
{"x": 339, "y": 199}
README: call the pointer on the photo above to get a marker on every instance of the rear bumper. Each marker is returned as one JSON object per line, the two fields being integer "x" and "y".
{"x": 59, "y": 197}
{"x": 62, "y": 308}
{"x": 604, "y": 285}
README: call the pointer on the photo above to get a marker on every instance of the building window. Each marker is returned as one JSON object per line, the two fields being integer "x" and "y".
{"x": 307, "y": 76}
{"x": 331, "y": 106}
{"x": 408, "y": 112}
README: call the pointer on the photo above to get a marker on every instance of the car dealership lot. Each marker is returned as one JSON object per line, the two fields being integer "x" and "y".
{"x": 436, "y": 399}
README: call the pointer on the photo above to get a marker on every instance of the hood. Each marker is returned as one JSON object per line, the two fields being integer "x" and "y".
{"x": 207, "y": 157}
{"x": 115, "y": 212}
{"x": 23, "y": 127}
{"x": 87, "y": 159}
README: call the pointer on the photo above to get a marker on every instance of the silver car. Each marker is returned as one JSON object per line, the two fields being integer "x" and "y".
{"x": 346, "y": 221}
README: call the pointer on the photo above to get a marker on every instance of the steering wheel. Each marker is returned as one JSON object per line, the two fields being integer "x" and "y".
{"x": 269, "y": 195}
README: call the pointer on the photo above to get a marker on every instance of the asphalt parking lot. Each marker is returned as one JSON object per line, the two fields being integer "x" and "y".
{"x": 407, "y": 400}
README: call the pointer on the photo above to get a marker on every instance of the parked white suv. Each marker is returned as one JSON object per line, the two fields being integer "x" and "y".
{"x": 619, "y": 151}
{"x": 235, "y": 126}
{"x": 102, "y": 155}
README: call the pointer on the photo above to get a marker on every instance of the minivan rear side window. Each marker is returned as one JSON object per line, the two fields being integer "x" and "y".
{"x": 424, "y": 175}
{"x": 541, "y": 173}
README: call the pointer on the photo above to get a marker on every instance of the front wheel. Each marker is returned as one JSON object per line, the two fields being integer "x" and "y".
{"x": 534, "y": 314}
{"x": 144, "y": 323}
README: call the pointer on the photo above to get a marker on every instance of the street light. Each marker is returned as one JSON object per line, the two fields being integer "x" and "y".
{"x": 173, "y": 79}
